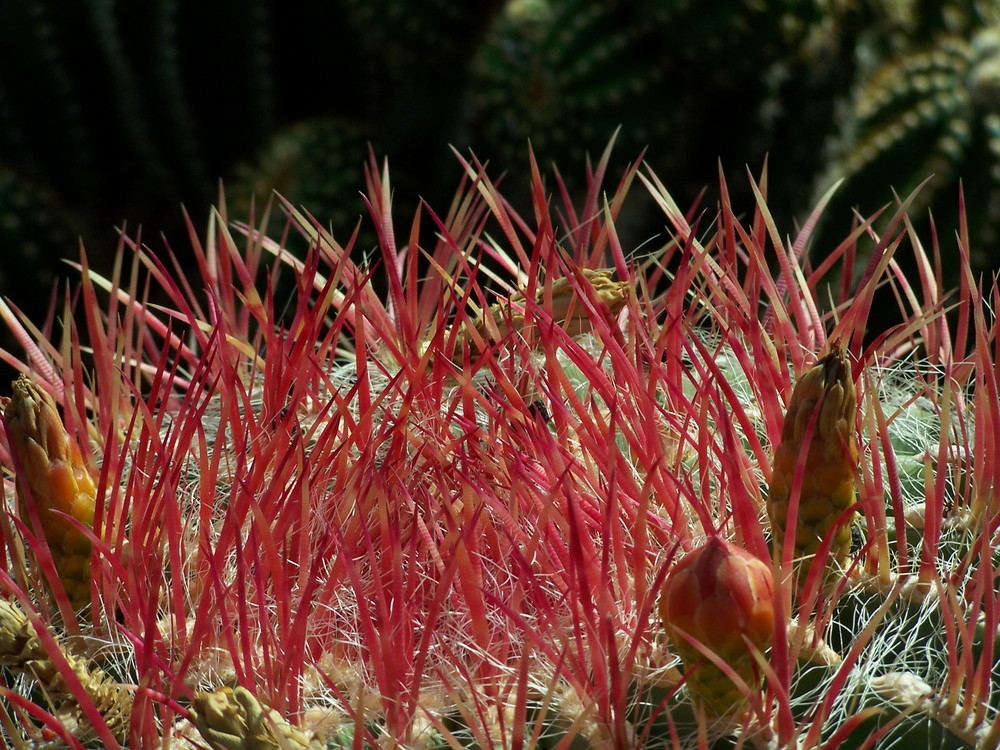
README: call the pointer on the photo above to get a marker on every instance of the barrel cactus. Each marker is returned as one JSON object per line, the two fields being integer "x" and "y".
{"x": 446, "y": 496}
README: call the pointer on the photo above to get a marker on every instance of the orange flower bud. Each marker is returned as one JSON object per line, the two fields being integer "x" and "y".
{"x": 722, "y": 597}
{"x": 53, "y": 471}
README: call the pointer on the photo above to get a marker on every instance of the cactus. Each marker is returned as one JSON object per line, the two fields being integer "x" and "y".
{"x": 558, "y": 73}
{"x": 400, "y": 34}
{"x": 924, "y": 107}
{"x": 731, "y": 42}
{"x": 447, "y": 513}
{"x": 313, "y": 163}
{"x": 32, "y": 222}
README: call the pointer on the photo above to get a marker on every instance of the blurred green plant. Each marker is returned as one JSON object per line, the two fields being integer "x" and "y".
{"x": 115, "y": 112}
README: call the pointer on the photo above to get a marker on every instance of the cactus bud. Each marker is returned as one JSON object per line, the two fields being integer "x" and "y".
{"x": 57, "y": 480}
{"x": 722, "y": 597}
{"x": 564, "y": 305}
{"x": 229, "y": 719}
{"x": 825, "y": 398}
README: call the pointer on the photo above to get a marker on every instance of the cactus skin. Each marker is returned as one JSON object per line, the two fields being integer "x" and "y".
{"x": 54, "y": 478}
{"x": 824, "y": 400}
{"x": 723, "y": 597}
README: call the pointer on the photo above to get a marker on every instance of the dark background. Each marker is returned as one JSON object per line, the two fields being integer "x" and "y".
{"x": 115, "y": 113}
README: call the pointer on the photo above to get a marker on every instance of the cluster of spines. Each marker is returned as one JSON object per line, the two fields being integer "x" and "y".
{"x": 464, "y": 520}
{"x": 562, "y": 75}
{"x": 924, "y": 108}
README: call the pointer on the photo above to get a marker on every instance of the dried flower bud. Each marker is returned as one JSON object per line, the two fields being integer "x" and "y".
{"x": 57, "y": 481}
{"x": 722, "y": 597}
{"x": 22, "y": 652}
{"x": 567, "y": 310}
{"x": 231, "y": 719}
{"x": 825, "y": 398}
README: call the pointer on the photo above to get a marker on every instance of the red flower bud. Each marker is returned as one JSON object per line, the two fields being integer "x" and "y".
{"x": 722, "y": 597}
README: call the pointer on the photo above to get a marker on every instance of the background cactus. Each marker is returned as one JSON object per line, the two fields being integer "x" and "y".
{"x": 114, "y": 113}
{"x": 558, "y": 74}
{"x": 924, "y": 106}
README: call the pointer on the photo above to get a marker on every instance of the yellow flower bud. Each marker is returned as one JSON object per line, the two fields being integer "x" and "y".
{"x": 825, "y": 398}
